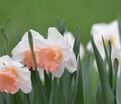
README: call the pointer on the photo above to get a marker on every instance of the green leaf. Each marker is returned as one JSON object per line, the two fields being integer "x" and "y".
{"x": 78, "y": 90}
{"x": 1, "y": 99}
{"x": 110, "y": 66}
{"x": 65, "y": 81}
{"x": 48, "y": 82}
{"x": 116, "y": 69}
{"x": 38, "y": 93}
{"x": 107, "y": 92}
{"x": 77, "y": 41}
{"x": 87, "y": 81}
{"x": 3, "y": 32}
{"x": 53, "y": 92}
{"x": 31, "y": 47}
{"x": 61, "y": 26}
{"x": 116, "y": 66}
{"x": 99, "y": 95}
{"x": 119, "y": 24}
{"x": 118, "y": 89}
{"x": 108, "y": 52}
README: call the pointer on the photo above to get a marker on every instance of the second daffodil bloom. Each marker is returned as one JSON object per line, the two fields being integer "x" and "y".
{"x": 110, "y": 32}
{"x": 13, "y": 76}
{"x": 57, "y": 55}
{"x": 69, "y": 38}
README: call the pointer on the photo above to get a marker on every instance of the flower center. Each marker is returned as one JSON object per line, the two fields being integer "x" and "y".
{"x": 49, "y": 58}
{"x": 112, "y": 39}
{"x": 46, "y": 58}
{"x": 8, "y": 80}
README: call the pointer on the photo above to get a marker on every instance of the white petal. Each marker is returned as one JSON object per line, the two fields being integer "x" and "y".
{"x": 40, "y": 43}
{"x": 54, "y": 37}
{"x": 89, "y": 47}
{"x": 23, "y": 45}
{"x": 34, "y": 35}
{"x": 116, "y": 53}
{"x": 108, "y": 31}
{"x": 6, "y": 60}
{"x": 25, "y": 80}
{"x": 119, "y": 72}
{"x": 69, "y": 39}
{"x": 81, "y": 51}
{"x": 17, "y": 64}
{"x": 41, "y": 73}
{"x": 114, "y": 29}
{"x": 15, "y": 90}
{"x": 99, "y": 46}
{"x": 38, "y": 40}
{"x": 70, "y": 60}
{"x": 58, "y": 73}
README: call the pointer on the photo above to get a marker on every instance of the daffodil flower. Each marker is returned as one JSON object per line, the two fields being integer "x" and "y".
{"x": 109, "y": 32}
{"x": 57, "y": 55}
{"x": 13, "y": 76}
{"x": 69, "y": 38}
{"x": 22, "y": 51}
{"x": 52, "y": 54}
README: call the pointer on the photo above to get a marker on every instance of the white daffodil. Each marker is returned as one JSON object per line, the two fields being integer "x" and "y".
{"x": 56, "y": 55}
{"x": 22, "y": 51}
{"x": 52, "y": 54}
{"x": 13, "y": 76}
{"x": 109, "y": 32}
{"x": 69, "y": 38}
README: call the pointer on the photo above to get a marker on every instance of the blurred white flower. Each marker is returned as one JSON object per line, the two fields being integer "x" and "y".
{"x": 13, "y": 76}
{"x": 69, "y": 38}
{"x": 110, "y": 32}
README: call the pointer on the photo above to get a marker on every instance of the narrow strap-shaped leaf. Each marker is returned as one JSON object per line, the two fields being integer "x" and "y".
{"x": 38, "y": 89}
{"x": 87, "y": 81}
{"x": 77, "y": 41}
{"x": 1, "y": 99}
{"x": 32, "y": 48}
{"x": 119, "y": 24}
{"x": 110, "y": 66}
{"x": 3, "y": 32}
{"x": 107, "y": 92}
{"x": 61, "y": 26}
{"x": 99, "y": 95}
{"x": 116, "y": 69}
{"x": 78, "y": 86}
{"x": 118, "y": 89}
{"x": 109, "y": 61}
{"x": 48, "y": 82}
{"x": 37, "y": 84}
{"x": 53, "y": 92}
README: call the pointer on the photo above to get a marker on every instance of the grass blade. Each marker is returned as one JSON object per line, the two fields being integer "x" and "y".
{"x": 77, "y": 41}
{"x": 107, "y": 92}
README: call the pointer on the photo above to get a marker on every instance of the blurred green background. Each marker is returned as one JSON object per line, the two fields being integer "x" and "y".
{"x": 41, "y": 14}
